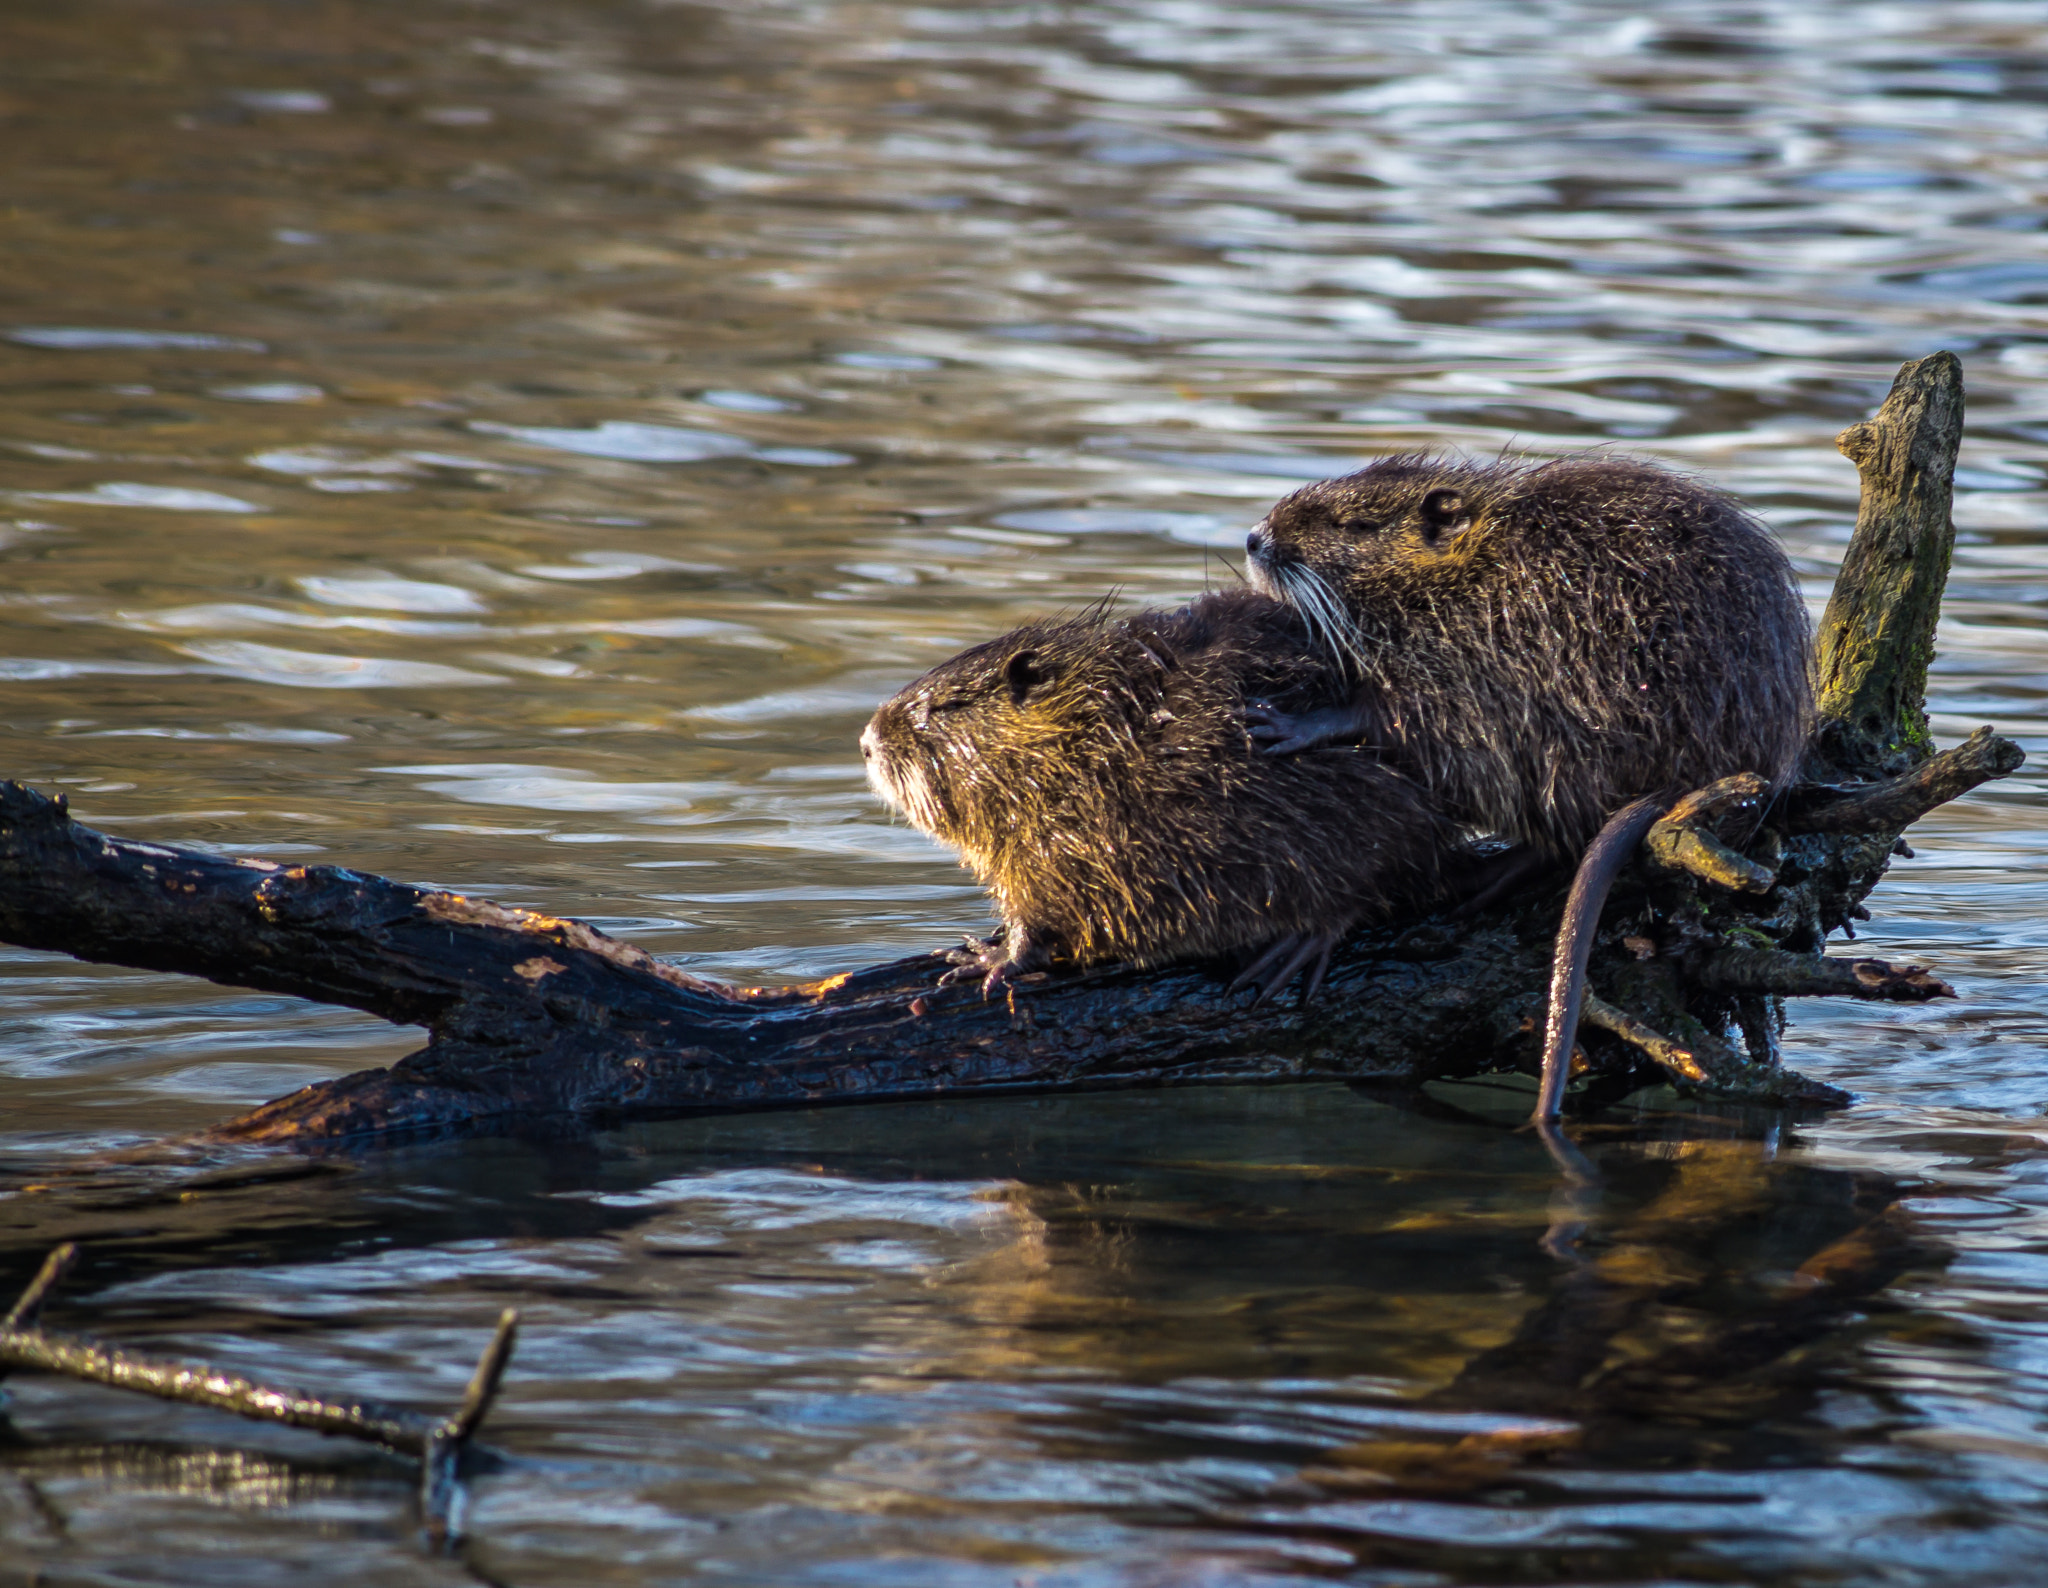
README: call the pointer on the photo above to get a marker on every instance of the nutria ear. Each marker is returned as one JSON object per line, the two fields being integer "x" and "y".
{"x": 1443, "y": 513}
{"x": 1023, "y": 674}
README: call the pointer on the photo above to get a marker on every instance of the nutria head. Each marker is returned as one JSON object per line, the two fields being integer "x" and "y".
{"x": 1549, "y": 639}
{"x": 985, "y": 749}
{"x": 1398, "y": 522}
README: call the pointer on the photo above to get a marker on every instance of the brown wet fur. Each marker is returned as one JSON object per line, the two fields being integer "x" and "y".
{"x": 1095, "y": 774}
{"x": 1540, "y": 643}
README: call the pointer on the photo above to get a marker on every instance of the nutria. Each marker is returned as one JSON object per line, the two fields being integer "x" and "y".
{"x": 1096, "y": 775}
{"x": 1543, "y": 645}
{"x": 1540, "y": 643}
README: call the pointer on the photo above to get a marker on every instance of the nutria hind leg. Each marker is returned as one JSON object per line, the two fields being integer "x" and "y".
{"x": 1277, "y": 732}
{"x": 1291, "y": 954}
{"x": 1610, "y": 850}
{"x": 1495, "y": 876}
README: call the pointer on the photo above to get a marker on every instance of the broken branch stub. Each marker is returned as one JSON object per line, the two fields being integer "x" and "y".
{"x": 1783, "y": 975}
{"x": 1893, "y": 805}
{"x": 1877, "y": 636}
{"x": 1689, "y": 837}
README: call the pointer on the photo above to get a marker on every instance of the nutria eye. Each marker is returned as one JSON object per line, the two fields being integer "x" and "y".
{"x": 1023, "y": 675}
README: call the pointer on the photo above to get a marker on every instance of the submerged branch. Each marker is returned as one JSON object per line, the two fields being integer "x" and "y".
{"x": 438, "y": 1444}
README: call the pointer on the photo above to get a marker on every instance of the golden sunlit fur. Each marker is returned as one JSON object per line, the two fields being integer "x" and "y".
{"x": 1095, "y": 774}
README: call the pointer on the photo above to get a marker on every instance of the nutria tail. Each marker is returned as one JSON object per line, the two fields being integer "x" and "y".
{"x": 1602, "y": 862}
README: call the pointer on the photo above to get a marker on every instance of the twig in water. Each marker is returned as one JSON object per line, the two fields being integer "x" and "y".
{"x": 438, "y": 1444}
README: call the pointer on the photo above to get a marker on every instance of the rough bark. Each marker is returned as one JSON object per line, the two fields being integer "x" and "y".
{"x": 1895, "y": 804}
{"x": 536, "y": 1021}
{"x": 1878, "y": 634}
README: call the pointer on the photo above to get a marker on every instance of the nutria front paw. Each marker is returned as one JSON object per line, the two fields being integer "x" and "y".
{"x": 979, "y": 959}
{"x": 1274, "y": 731}
{"x": 996, "y": 960}
{"x": 1278, "y": 732}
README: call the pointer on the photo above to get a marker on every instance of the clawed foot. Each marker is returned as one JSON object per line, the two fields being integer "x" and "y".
{"x": 986, "y": 960}
{"x": 1285, "y": 959}
{"x": 1277, "y": 732}
{"x": 996, "y": 961}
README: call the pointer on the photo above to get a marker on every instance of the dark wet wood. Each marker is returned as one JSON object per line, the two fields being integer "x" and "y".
{"x": 540, "y": 1022}
{"x": 1772, "y": 970}
{"x": 1895, "y": 804}
{"x": 535, "y": 1019}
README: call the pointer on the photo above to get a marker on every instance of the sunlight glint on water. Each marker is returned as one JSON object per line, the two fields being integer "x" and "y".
{"x": 513, "y": 448}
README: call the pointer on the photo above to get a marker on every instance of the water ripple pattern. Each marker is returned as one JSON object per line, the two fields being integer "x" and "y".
{"x": 513, "y": 448}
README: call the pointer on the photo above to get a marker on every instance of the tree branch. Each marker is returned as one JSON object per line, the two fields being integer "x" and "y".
{"x": 537, "y": 1019}
{"x": 1686, "y": 839}
{"x": 1679, "y": 1061}
{"x": 1895, "y": 804}
{"x": 1774, "y": 971}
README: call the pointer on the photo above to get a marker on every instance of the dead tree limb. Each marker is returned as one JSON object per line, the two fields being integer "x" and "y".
{"x": 1783, "y": 975}
{"x": 1687, "y": 839}
{"x": 540, "y": 1022}
{"x": 438, "y": 1443}
{"x": 1877, "y": 636}
{"x": 1679, "y": 1061}
{"x": 1895, "y": 804}
{"x": 536, "y": 1019}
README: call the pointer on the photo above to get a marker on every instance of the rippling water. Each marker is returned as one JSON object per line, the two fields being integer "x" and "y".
{"x": 512, "y": 446}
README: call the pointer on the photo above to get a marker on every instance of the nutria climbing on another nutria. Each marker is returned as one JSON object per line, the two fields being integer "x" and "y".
{"x": 1096, "y": 775}
{"x": 1537, "y": 644}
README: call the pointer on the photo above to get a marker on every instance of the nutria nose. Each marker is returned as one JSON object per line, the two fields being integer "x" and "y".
{"x": 1255, "y": 542}
{"x": 867, "y": 742}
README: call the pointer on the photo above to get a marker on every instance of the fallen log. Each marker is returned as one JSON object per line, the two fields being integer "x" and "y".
{"x": 536, "y": 1021}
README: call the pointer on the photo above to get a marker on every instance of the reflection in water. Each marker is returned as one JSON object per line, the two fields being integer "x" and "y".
{"x": 1241, "y": 1329}
{"x": 513, "y": 448}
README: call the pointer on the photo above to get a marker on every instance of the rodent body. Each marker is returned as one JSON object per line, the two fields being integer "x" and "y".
{"x": 1538, "y": 644}
{"x": 1096, "y": 775}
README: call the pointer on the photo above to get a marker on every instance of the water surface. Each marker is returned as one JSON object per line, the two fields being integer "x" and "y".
{"x": 512, "y": 447}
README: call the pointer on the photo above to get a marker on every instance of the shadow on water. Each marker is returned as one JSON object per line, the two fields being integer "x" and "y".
{"x": 1268, "y": 1326}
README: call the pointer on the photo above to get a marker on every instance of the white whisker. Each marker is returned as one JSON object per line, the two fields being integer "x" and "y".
{"x": 1329, "y": 624}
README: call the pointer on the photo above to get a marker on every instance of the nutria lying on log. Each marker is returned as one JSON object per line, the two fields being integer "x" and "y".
{"x": 538, "y": 1022}
{"x": 1539, "y": 644}
{"x": 1096, "y": 776}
